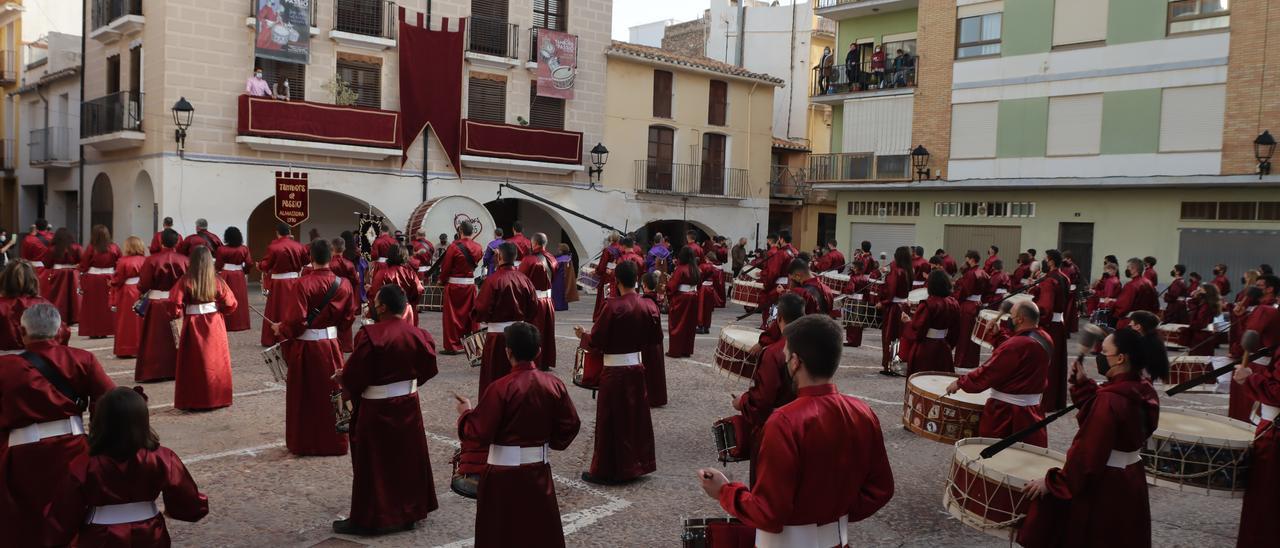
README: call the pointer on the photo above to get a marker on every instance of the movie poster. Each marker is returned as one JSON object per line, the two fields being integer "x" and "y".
{"x": 284, "y": 30}
{"x": 557, "y": 63}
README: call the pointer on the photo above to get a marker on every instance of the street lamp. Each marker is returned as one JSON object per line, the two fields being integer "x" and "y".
{"x": 920, "y": 161}
{"x": 182, "y": 114}
{"x": 599, "y": 156}
{"x": 1263, "y": 147}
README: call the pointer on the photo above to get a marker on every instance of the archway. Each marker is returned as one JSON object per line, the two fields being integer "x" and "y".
{"x": 331, "y": 213}
{"x": 144, "y": 210}
{"x": 101, "y": 204}
{"x": 674, "y": 230}
{"x": 536, "y": 218}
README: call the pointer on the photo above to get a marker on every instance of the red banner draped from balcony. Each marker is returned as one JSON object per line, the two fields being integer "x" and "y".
{"x": 431, "y": 82}
{"x": 521, "y": 142}
{"x": 305, "y": 121}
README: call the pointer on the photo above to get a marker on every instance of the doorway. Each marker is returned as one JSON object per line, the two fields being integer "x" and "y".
{"x": 1078, "y": 239}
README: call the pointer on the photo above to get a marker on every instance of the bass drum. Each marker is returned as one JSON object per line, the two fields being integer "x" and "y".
{"x": 442, "y": 216}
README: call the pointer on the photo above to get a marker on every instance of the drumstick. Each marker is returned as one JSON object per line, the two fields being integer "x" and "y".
{"x": 1022, "y": 434}
{"x": 259, "y": 312}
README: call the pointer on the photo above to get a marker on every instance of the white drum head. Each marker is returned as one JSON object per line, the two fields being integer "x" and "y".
{"x": 937, "y": 384}
{"x": 1015, "y": 462}
{"x": 1191, "y": 425}
{"x": 442, "y": 215}
{"x": 835, "y": 276}
{"x": 740, "y": 337}
{"x": 988, "y": 315}
{"x": 918, "y": 295}
{"x": 1172, "y": 327}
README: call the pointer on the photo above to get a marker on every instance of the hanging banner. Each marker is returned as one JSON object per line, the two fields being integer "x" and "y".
{"x": 292, "y": 205}
{"x": 557, "y": 63}
{"x": 284, "y": 30}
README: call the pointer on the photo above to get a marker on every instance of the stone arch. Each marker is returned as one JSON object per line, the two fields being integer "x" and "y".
{"x": 144, "y": 210}
{"x": 537, "y": 217}
{"x": 330, "y": 214}
{"x": 101, "y": 204}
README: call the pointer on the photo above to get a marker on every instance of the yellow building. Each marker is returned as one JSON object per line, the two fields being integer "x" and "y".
{"x": 10, "y": 77}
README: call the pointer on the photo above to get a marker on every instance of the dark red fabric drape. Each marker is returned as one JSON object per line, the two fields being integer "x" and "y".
{"x": 431, "y": 82}
{"x": 521, "y": 143}
{"x": 306, "y": 121}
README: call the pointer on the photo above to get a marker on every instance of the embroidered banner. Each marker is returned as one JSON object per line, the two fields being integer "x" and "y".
{"x": 292, "y": 205}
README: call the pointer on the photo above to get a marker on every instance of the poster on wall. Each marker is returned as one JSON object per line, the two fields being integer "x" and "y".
{"x": 292, "y": 204}
{"x": 557, "y": 63}
{"x": 284, "y": 30}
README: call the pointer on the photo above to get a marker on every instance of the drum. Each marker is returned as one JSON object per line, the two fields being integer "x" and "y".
{"x": 984, "y": 333}
{"x": 341, "y": 412}
{"x": 464, "y": 485}
{"x": 927, "y": 412}
{"x": 717, "y": 533}
{"x": 859, "y": 312}
{"x": 732, "y": 439}
{"x": 473, "y": 345}
{"x": 443, "y": 215}
{"x": 986, "y": 494}
{"x": 917, "y": 295}
{"x": 1176, "y": 335}
{"x": 1199, "y": 452}
{"x": 745, "y": 293}
{"x": 587, "y": 367}
{"x": 274, "y": 358}
{"x": 1185, "y": 368}
{"x": 588, "y": 279}
{"x": 733, "y": 352}
{"x": 835, "y": 280}
{"x": 432, "y": 299}
{"x": 1103, "y": 317}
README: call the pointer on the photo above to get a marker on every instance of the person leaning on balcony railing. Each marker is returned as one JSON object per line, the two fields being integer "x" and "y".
{"x": 903, "y": 63}
{"x": 256, "y": 86}
{"x": 851, "y": 66}
{"x": 825, "y": 67}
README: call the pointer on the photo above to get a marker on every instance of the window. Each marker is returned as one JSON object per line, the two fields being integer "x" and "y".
{"x": 1191, "y": 118}
{"x": 713, "y": 152}
{"x": 1269, "y": 211}
{"x": 487, "y": 98}
{"x": 1231, "y": 211}
{"x": 661, "y": 94}
{"x": 135, "y": 68}
{"x": 1237, "y": 211}
{"x": 1075, "y": 125}
{"x": 718, "y": 103}
{"x": 545, "y": 112}
{"x": 1080, "y": 21}
{"x": 892, "y": 167}
{"x": 1198, "y": 15}
{"x": 364, "y": 75}
{"x": 113, "y": 74}
{"x": 276, "y": 73}
{"x": 984, "y": 209}
{"x": 885, "y": 209}
{"x": 550, "y": 14}
{"x": 1200, "y": 210}
{"x": 978, "y": 36}
{"x": 973, "y": 130}
{"x": 662, "y": 142}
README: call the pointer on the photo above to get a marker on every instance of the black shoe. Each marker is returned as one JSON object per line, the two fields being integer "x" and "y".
{"x": 348, "y": 527}
{"x": 465, "y": 485}
{"x": 888, "y": 373}
{"x": 587, "y": 477}
{"x": 450, "y": 352}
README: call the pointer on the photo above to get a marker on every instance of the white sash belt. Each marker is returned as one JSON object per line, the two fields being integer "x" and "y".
{"x": 132, "y": 281}
{"x": 936, "y": 333}
{"x": 1002, "y": 291}
{"x": 1057, "y": 317}
{"x": 37, "y": 264}
{"x": 835, "y": 533}
{"x": 917, "y": 283}
{"x": 285, "y": 276}
{"x": 11, "y": 352}
{"x": 63, "y": 266}
{"x": 322, "y": 334}
{"x": 1122, "y": 459}
{"x": 462, "y": 281}
{"x": 393, "y": 390}
{"x": 498, "y": 327}
{"x": 1026, "y": 281}
{"x": 232, "y": 267}
{"x": 974, "y": 298}
{"x": 1073, "y": 287}
{"x": 423, "y": 268}
{"x": 622, "y": 360}
{"x": 32, "y": 433}
{"x": 382, "y": 259}
{"x": 109, "y": 271}
{"x": 157, "y": 295}
{"x": 544, "y": 294}
{"x": 1182, "y": 299}
{"x": 1021, "y": 400}
{"x": 116, "y": 514}
{"x": 1269, "y": 412}
{"x": 899, "y": 300}
{"x": 782, "y": 281}
{"x": 202, "y": 308}
{"x": 686, "y": 288}
{"x": 706, "y": 283}
{"x": 509, "y": 455}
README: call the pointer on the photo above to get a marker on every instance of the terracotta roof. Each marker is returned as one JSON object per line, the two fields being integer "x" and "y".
{"x": 690, "y": 61}
{"x": 790, "y": 145}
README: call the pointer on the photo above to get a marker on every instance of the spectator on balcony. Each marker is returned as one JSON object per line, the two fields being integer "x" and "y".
{"x": 903, "y": 65}
{"x": 257, "y": 86}
{"x": 824, "y": 71}
{"x": 852, "y": 72}
{"x": 877, "y": 66}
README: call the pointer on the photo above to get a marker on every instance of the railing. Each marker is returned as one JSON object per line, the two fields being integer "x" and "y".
{"x": 691, "y": 180}
{"x": 315, "y": 10}
{"x": 366, "y": 17}
{"x": 6, "y": 154}
{"x": 120, "y": 111}
{"x": 495, "y": 37}
{"x": 51, "y": 144}
{"x": 788, "y": 182}
{"x": 8, "y": 66}
{"x": 842, "y": 78}
{"x": 106, "y": 11}
{"x": 826, "y": 26}
{"x": 823, "y": 4}
{"x": 858, "y": 166}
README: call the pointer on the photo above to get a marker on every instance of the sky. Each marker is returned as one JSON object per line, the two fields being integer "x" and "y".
{"x": 629, "y": 13}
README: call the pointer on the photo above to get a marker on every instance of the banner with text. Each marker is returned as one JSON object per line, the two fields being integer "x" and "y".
{"x": 284, "y": 30}
{"x": 557, "y": 63}
{"x": 292, "y": 205}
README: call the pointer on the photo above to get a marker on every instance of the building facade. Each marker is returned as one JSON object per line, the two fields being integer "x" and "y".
{"x": 47, "y": 138}
{"x": 1099, "y": 126}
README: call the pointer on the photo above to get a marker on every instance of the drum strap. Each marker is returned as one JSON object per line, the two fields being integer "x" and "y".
{"x": 205, "y": 236}
{"x": 328, "y": 298}
{"x": 1034, "y": 334}
{"x": 54, "y": 377}
{"x": 819, "y": 296}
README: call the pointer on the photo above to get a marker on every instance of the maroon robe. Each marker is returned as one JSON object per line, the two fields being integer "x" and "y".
{"x": 41, "y": 479}
{"x": 832, "y": 260}
{"x": 1258, "y": 524}
{"x": 238, "y": 259}
{"x": 60, "y": 282}
{"x": 897, "y": 285}
{"x": 998, "y": 283}
{"x": 1017, "y": 366}
{"x": 1265, "y": 319}
{"x": 771, "y": 388}
{"x": 381, "y": 246}
{"x": 682, "y": 319}
{"x": 33, "y": 249}
{"x": 655, "y": 367}
{"x": 1224, "y": 286}
{"x": 96, "y": 270}
{"x": 308, "y": 412}
{"x": 156, "y": 242}
{"x": 343, "y": 267}
{"x": 932, "y": 330}
{"x": 506, "y": 296}
{"x": 406, "y": 278}
{"x": 706, "y": 294}
{"x": 1152, "y": 276}
{"x": 203, "y": 373}
{"x": 516, "y": 505}
{"x": 1175, "y": 302}
{"x": 605, "y": 265}
{"x": 1199, "y": 317}
{"x": 989, "y": 264}
{"x": 857, "y": 289}
{"x": 1105, "y": 291}
{"x": 969, "y": 292}
{"x": 523, "y": 245}
{"x": 458, "y": 274}
{"x": 285, "y": 257}
{"x": 124, "y": 293}
{"x": 202, "y": 238}
{"x": 157, "y": 353}
{"x": 539, "y": 267}
{"x": 1087, "y": 502}
{"x": 624, "y": 447}
{"x": 1050, "y": 298}
{"x": 392, "y": 483}
{"x": 144, "y": 477}
{"x": 1138, "y": 294}
{"x": 949, "y": 265}
{"x": 823, "y": 458}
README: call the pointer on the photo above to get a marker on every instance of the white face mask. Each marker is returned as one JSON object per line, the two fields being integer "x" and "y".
{"x": 257, "y": 75}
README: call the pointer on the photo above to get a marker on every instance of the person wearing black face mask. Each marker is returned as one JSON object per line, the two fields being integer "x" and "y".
{"x": 1051, "y": 296}
{"x": 1137, "y": 294}
{"x": 1175, "y": 297}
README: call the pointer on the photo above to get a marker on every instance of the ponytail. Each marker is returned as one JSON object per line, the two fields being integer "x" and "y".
{"x": 1145, "y": 352}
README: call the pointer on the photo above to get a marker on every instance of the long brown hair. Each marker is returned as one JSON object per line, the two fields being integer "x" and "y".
{"x": 1211, "y": 298}
{"x": 133, "y": 246}
{"x": 62, "y": 241}
{"x": 101, "y": 239}
{"x": 121, "y": 425}
{"x": 202, "y": 281}
{"x": 19, "y": 280}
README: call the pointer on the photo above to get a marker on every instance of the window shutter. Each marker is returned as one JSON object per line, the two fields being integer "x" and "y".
{"x": 661, "y": 153}
{"x": 1076, "y": 22}
{"x": 545, "y": 112}
{"x": 276, "y": 72}
{"x": 365, "y": 79}
{"x": 973, "y": 130}
{"x": 1191, "y": 118}
{"x": 1075, "y": 125}
{"x": 718, "y": 103}
{"x": 549, "y": 14}
{"x": 661, "y": 94}
{"x": 486, "y": 100}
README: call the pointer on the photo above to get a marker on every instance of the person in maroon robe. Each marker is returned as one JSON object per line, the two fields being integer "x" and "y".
{"x": 932, "y": 328}
{"x": 312, "y": 354}
{"x": 127, "y": 471}
{"x": 1149, "y": 270}
{"x": 202, "y": 237}
{"x": 822, "y": 430}
{"x": 897, "y": 285}
{"x": 399, "y": 271}
{"x": 283, "y": 265}
{"x": 832, "y": 260}
{"x": 775, "y": 276}
{"x": 948, "y": 262}
{"x": 706, "y": 293}
{"x": 1258, "y": 524}
{"x": 124, "y": 293}
{"x": 691, "y": 242}
{"x": 1098, "y": 497}
{"x": 231, "y": 262}
{"x": 1138, "y": 294}
{"x": 60, "y": 281}
{"x": 998, "y": 282}
{"x": 1220, "y": 280}
{"x": 156, "y": 244}
{"x": 458, "y": 272}
{"x": 523, "y": 245}
{"x": 1021, "y": 276}
{"x": 1105, "y": 290}
{"x": 97, "y": 266}
{"x": 520, "y": 418}
{"x": 157, "y": 350}
{"x": 606, "y": 262}
{"x": 382, "y": 244}
{"x": 42, "y": 461}
{"x": 201, "y": 300}
{"x": 920, "y": 267}
{"x": 970, "y": 291}
{"x": 1051, "y": 294}
{"x": 392, "y": 487}
{"x": 1202, "y": 309}
{"x": 507, "y": 296}
{"x": 539, "y": 266}
{"x": 771, "y": 383}
{"x": 624, "y": 447}
{"x": 1016, "y": 375}
{"x": 1256, "y": 311}
{"x": 421, "y": 249}
{"x": 342, "y": 267}
{"x": 1175, "y": 297}
{"x": 19, "y": 291}
{"x": 858, "y": 289}
{"x": 35, "y": 244}
{"x": 989, "y": 265}
{"x": 682, "y": 289}
{"x": 655, "y": 363}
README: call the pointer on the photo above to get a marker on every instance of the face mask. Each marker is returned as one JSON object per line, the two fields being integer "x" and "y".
{"x": 4, "y": 239}
{"x": 1102, "y": 364}
{"x": 257, "y": 75}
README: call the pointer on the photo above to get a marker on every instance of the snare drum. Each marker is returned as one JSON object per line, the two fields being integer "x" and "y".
{"x": 927, "y": 412}
{"x": 717, "y": 533}
{"x": 835, "y": 280}
{"x": 859, "y": 312}
{"x": 1199, "y": 452}
{"x": 1176, "y": 335}
{"x": 274, "y": 358}
{"x": 733, "y": 353}
{"x": 746, "y": 293}
{"x": 1185, "y": 368}
{"x": 588, "y": 279}
{"x": 587, "y": 367}
{"x": 432, "y": 299}
{"x": 986, "y": 494}
{"x": 732, "y": 439}
{"x": 984, "y": 332}
{"x": 341, "y": 412}
{"x": 473, "y": 345}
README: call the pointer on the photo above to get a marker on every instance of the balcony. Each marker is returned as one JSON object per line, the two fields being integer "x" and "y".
{"x": 693, "y": 180}
{"x": 841, "y": 10}
{"x": 113, "y": 19}
{"x": 302, "y": 127}
{"x": 487, "y": 145}
{"x": 112, "y": 122}
{"x": 826, "y": 27}
{"x": 858, "y": 167}
{"x": 8, "y": 67}
{"x": 834, "y": 84}
{"x": 369, "y": 24}
{"x": 492, "y": 42}
{"x": 50, "y": 148}
{"x": 788, "y": 183}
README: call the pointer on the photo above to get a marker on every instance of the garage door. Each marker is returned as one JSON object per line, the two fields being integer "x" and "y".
{"x": 884, "y": 237}
{"x": 959, "y": 239}
{"x": 1240, "y": 250}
